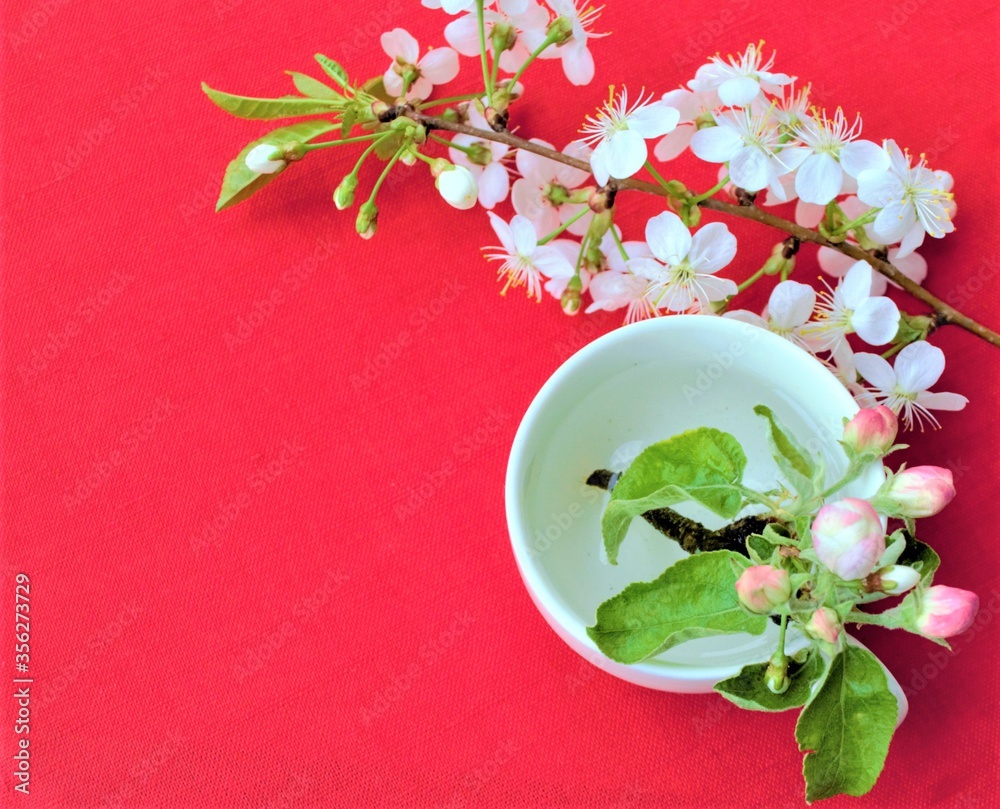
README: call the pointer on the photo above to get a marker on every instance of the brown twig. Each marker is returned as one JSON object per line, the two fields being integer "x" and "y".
{"x": 692, "y": 536}
{"x": 944, "y": 314}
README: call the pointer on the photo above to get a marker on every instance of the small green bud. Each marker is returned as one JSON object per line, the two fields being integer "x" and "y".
{"x": 570, "y": 300}
{"x": 560, "y": 30}
{"x": 504, "y": 36}
{"x": 776, "y": 677}
{"x": 600, "y": 224}
{"x": 293, "y": 150}
{"x": 367, "y": 216}
{"x": 480, "y": 154}
{"x": 690, "y": 213}
{"x": 343, "y": 196}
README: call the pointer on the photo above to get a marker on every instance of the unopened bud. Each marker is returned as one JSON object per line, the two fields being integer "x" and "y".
{"x": 265, "y": 159}
{"x": 570, "y": 300}
{"x": 458, "y": 187}
{"x": 690, "y": 213}
{"x": 761, "y": 588}
{"x": 921, "y": 491}
{"x": 343, "y": 196}
{"x": 893, "y": 579}
{"x": 367, "y": 216}
{"x": 600, "y": 225}
{"x": 824, "y": 624}
{"x": 946, "y": 611}
{"x": 776, "y": 677}
{"x": 871, "y": 432}
{"x": 848, "y": 538}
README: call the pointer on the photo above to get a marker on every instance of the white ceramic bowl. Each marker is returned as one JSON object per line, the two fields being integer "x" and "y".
{"x": 632, "y": 387}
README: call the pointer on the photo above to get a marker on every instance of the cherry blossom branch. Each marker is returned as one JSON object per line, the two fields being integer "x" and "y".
{"x": 944, "y": 314}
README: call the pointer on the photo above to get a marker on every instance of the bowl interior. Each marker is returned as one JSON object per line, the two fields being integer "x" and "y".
{"x": 635, "y": 386}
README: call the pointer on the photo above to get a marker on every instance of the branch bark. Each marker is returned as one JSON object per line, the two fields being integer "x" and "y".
{"x": 944, "y": 314}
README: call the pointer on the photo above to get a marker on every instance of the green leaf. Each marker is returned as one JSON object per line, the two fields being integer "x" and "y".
{"x": 748, "y": 690}
{"x": 694, "y": 598}
{"x": 921, "y": 557}
{"x": 240, "y": 182}
{"x": 333, "y": 70}
{"x": 268, "y": 108}
{"x": 313, "y": 88}
{"x": 760, "y": 549}
{"x": 345, "y": 125}
{"x": 792, "y": 459}
{"x": 846, "y": 729}
{"x": 704, "y": 465}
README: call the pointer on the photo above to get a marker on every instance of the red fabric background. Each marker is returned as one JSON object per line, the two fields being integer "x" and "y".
{"x": 356, "y": 634}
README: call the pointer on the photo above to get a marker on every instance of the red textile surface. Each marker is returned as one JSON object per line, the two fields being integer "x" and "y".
{"x": 355, "y": 633}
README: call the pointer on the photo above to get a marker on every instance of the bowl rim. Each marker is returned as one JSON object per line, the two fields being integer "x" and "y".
{"x": 546, "y": 598}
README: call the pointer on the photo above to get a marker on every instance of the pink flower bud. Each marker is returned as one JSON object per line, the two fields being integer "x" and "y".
{"x": 824, "y": 624}
{"x": 848, "y": 538}
{"x": 946, "y": 611}
{"x": 872, "y": 430}
{"x": 761, "y": 588}
{"x": 921, "y": 491}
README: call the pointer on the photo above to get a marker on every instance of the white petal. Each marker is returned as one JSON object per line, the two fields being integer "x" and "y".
{"x": 738, "y": 91}
{"x": 569, "y": 210}
{"x": 462, "y": 34}
{"x": 877, "y": 188}
{"x": 919, "y": 366}
{"x": 578, "y": 64}
{"x": 400, "y": 43}
{"x": 791, "y": 304}
{"x": 626, "y": 153}
{"x": 494, "y": 183}
{"x": 876, "y": 370}
{"x": 504, "y": 233}
{"x": 876, "y": 321}
{"x": 674, "y": 143}
{"x": 894, "y": 221}
{"x": 716, "y": 144}
{"x": 712, "y": 248}
{"x": 668, "y": 238}
{"x": 439, "y": 66}
{"x": 750, "y": 169}
{"x": 833, "y": 262}
{"x": 857, "y": 285}
{"x": 708, "y": 288}
{"x": 911, "y": 241}
{"x": 648, "y": 268}
{"x": 613, "y": 290}
{"x": 551, "y": 261}
{"x": 523, "y": 232}
{"x": 598, "y": 163}
{"x": 942, "y": 401}
{"x": 567, "y": 176}
{"x": 746, "y": 316}
{"x": 632, "y": 250}
{"x": 533, "y": 166}
{"x": 863, "y": 155}
{"x": 913, "y": 265}
{"x": 653, "y": 120}
{"x": 420, "y": 89}
{"x": 455, "y": 6}
{"x": 809, "y": 215}
{"x": 819, "y": 179}
{"x": 684, "y": 101}
{"x": 393, "y": 82}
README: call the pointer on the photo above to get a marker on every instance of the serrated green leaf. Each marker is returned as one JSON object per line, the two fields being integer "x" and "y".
{"x": 704, "y": 465}
{"x": 748, "y": 689}
{"x": 313, "y": 88}
{"x": 240, "y": 182}
{"x": 333, "y": 70}
{"x": 269, "y": 108}
{"x": 694, "y": 598}
{"x": 846, "y": 729}
{"x": 792, "y": 459}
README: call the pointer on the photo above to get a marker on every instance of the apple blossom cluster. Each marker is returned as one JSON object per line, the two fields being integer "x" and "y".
{"x": 740, "y": 113}
{"x": 843, "y": 557}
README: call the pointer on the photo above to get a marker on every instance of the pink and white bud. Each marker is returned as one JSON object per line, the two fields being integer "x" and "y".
{"x": 896, "y": 579}
{"x": 946, "y": 611}
{"x": 872, "y": 431}
{"x": 760, "y": 588}
{"x": 848, "y": 538}
{"x": 920, "y": 491}
{"x": 458, "y": 187}
{"x": 260, "y": 159}
{"x": 824, "y": 624}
